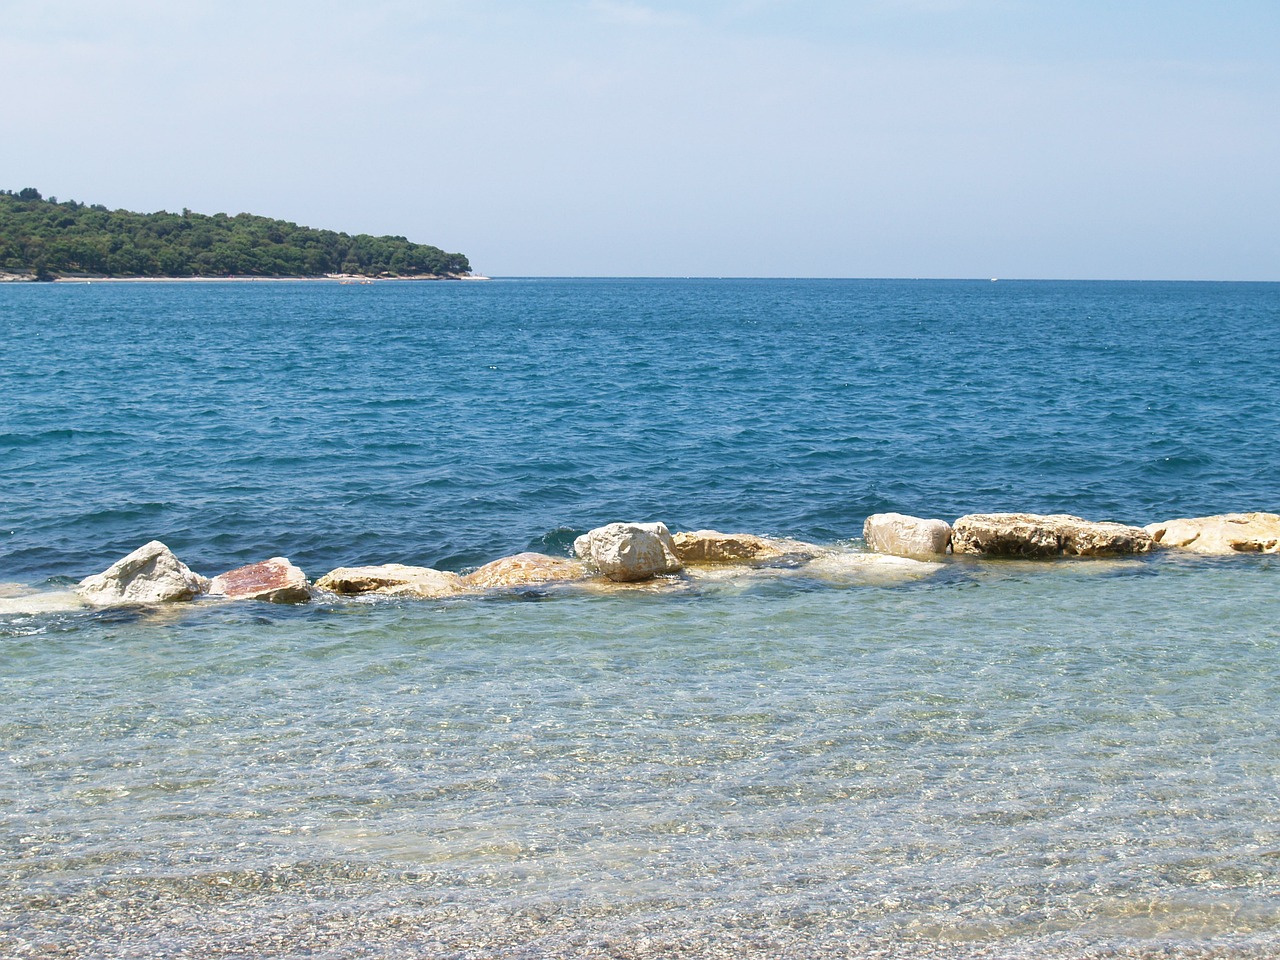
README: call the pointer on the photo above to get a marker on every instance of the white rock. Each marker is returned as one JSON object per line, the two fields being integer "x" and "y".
{"x": 901, "y": 536}
{"x": 627, "y": 552}
{"x": 151, "y": 574}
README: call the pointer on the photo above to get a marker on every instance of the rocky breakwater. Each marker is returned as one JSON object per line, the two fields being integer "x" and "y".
{"x": 629, "y": 556}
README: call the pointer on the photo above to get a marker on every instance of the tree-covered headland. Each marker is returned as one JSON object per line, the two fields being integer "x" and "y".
{"x": 48, "y": 238}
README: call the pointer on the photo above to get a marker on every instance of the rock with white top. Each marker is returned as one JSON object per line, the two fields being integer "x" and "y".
{"x": 627, "y": 552}
{"x": 151, "y": 574}
{"x": 899, "y": 535}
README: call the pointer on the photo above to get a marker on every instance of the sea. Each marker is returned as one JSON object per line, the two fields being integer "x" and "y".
{"x": 998, "y": 759}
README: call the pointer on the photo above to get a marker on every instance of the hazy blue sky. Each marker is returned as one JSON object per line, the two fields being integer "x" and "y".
{"x": 942, "y": 138}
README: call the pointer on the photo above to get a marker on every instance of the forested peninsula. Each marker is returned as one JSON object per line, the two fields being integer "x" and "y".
{"x": 48, "y": 239}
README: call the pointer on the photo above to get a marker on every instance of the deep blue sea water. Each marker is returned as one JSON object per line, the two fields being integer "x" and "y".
{"x": 1008, "y": 760}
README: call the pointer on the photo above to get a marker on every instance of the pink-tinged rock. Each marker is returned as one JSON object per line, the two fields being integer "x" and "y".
{"x": 525, "y": 569}
{"x": 392, "y": 579}
{"x": 151, "y": 574}
{"x": 275, "y": 580}
{"x": 898, "y": 535}
{"x": 1223, "y": 534}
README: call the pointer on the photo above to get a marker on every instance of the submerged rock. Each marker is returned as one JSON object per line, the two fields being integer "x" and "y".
{"x": 1223, "y": 534}
{"x": 275, "y": 581}
{"x": 526, "y": 569}
{"x": 711, "y": 546}
{"x": 847, "y": 567}
{"x": 902, "y": 536}
{"x": 21, "y": 600}
{"x": 151, "y": 574}
{"x": 1033, "y": 535}
{"x": 392, "y": 579}
{"x": 626, "y": 552}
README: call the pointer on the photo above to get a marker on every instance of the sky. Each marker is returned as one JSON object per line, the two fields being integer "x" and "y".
{"x": 1091, "y": 139}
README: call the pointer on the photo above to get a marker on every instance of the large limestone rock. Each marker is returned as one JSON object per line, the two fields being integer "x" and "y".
{"x": 1036, "y": 536}
{"x": 711, "y": 546}
{"x": 524, "y": 570}
{"x": 627, "y": 552}
{"x": 275, "y": 581}
{"x": 1222, "y": 534}
{"x": 901, "y": 536}
{"x": 392, "y": 579}
{"x": 151, "y": 574}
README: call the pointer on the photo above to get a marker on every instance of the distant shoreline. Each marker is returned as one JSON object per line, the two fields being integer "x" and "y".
{"x": 353, "y": 279}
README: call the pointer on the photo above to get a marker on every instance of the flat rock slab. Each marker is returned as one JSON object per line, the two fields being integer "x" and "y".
{"x": 275, "y": 581}
{"x": 899, "y": 535}
{"x": 392, "y": 579}
{"x": 1034, "y": 536}
{"x": 712, "y": 546}
{"x": 1221, "y": 535}
{"x": 151, "y": 574}
{"x": 524, "y": 570}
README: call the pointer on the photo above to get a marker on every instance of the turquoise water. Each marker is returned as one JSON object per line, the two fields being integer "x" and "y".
{"x": 1001, "y": 759}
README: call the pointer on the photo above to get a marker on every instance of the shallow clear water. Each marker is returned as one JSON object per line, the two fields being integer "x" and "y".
{"x": 1002, "y": 759}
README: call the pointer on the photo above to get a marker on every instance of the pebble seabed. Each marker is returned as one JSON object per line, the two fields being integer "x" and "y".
{"x": 579, "y": 795}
